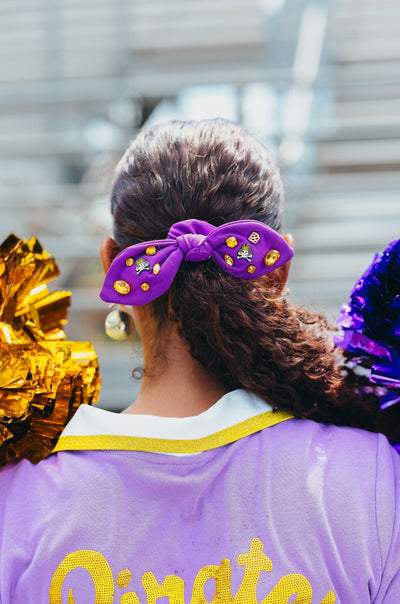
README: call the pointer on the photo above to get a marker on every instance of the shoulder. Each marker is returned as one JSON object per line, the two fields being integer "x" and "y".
{"x": 354, "y": 472}
{"x": 340, "y": 442}
{"x": 341, "y": 457}
{"x": 18, "y": 477}
{"x": 38, "y": 484}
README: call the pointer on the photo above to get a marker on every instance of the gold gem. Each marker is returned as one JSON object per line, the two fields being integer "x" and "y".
{"x": 228, "y": 259}
{"x": 129, "y": 261}
{"x": 124, "y": 578}
{"x": 122, "y": 287}
{"x": 151, "y": 250}
{"x": 271, "y": 257}
{"x": 231, "y": 242}
{"x": 156, "y": 269}
{"x": 254, "y": 237}
{"x": 145, "y": 287}
{"x": 251, "y": 268}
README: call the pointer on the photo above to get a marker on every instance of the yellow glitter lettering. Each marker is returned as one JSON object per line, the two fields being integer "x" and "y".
{"x": 254, "y": 562}
{"x": 222, "y": 577}
{"x": 330, "y": 598}
{"x": 288, "y": 586}
{"x": 129, "y": 598}
{"x": 172, "y": 587}
{"x": 97, "y": 567}
{"x": 124, "y": 578}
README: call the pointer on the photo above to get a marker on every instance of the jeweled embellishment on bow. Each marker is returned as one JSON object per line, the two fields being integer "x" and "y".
{"x": 228, "y": 259}
{"x": 245, "y": 252}
{"x": 231, "y": 242}
{"x": 254, "y": 237}
{"x": 142, "y": 265}
{"x": 271, "y": 257}
{"x": 122, "y": 287}
{"x": 151, "y": 250}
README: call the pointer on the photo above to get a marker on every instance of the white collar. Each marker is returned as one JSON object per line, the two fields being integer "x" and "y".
{"x": 233, "y": 408}
{"x": 236, "y": 415}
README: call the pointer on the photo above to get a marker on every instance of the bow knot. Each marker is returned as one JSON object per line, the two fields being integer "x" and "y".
{"x": 194, "y": 247}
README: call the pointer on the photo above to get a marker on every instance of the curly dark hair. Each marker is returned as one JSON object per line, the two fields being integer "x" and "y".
{"x": 245, "y": 333}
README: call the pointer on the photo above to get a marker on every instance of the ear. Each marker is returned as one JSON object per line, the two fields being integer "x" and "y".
{"x": 281, "y": 274}
{"x": 108, "y": 251}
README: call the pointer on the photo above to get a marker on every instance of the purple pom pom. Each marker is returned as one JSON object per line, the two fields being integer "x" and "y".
{"x": 370, "y": 322}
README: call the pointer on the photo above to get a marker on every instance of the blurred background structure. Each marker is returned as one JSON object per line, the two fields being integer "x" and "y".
{"x": 316, "y": 80}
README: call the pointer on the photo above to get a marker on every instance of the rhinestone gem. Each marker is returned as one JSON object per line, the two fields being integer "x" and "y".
{"x": 254, "y": 237}
{"x": 156, "y": 269}
{"x": 145, "y": 287}
{"x": 271, "y": 257}
{"x": 231, "y": 242}
{"x": 251, "y": 268}
{"x": 129, "y": 261}
{"x": 228, "y": 259}
{"x": 151, "y": 250}
{"x": 122, "y": 287}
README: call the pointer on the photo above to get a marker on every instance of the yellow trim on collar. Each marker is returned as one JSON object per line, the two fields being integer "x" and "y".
{"x": 162, "y": 445}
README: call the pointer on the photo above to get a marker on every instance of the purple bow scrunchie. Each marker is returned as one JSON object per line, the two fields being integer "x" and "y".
{"x": 245, "y": 249}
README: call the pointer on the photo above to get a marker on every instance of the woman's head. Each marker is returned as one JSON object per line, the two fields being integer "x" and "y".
{"x": 244, "y": 332}
{"x": 212, "y": 170}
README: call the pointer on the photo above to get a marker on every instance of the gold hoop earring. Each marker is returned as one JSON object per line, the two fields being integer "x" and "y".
{"x": 119, "y": 324}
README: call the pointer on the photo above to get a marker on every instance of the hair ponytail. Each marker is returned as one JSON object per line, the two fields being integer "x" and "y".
{"x": 248, "y": 335}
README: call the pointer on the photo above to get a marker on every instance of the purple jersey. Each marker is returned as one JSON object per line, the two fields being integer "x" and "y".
{"x": 237, "y": 505}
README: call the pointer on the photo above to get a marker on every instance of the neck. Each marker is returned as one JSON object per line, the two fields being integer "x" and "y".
{"x": 181, "y": 388}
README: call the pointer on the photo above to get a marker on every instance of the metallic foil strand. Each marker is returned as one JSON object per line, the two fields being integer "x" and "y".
{"x": 43, "y": 377}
